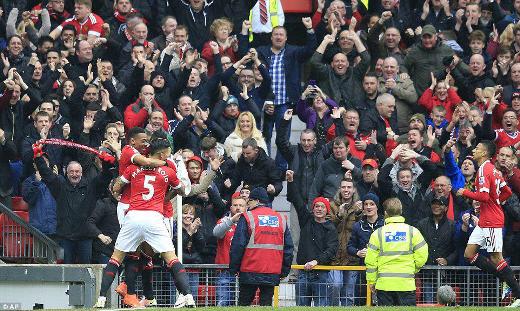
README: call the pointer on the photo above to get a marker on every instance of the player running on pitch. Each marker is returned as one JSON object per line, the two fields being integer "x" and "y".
{"x": 491, "y": 192}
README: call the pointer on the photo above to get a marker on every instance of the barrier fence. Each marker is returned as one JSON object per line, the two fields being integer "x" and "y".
{"x": 212, "y": 285}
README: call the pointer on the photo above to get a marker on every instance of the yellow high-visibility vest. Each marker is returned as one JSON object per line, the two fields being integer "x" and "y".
{"x": 273, "y": 16}
{"x": 395, "y": 253}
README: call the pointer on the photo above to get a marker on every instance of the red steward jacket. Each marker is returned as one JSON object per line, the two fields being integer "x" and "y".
{"x": 264, "y": 252}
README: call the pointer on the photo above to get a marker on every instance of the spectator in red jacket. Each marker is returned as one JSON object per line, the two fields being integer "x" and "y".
{"x": 227, "y": 45}
{"x": 139, "y": 112}
{"x": 440, "y": 94}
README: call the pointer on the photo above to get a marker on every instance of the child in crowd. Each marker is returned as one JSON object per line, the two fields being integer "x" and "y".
{"x": 437, "y": 119}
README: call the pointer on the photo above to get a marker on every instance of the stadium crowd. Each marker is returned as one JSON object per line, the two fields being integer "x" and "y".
{"x": 394, "y": 98}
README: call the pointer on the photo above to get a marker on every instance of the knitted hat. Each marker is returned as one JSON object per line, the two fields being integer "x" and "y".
{"x": 420, "y": 117}
{"x": 156, "y": 73}
{"x": 370, "y": 196}
{"x": 322, "y": 200}
{"x": 259, "y": 194}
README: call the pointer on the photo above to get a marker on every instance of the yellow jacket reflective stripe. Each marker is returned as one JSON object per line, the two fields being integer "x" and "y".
{"x": 273, "y": 16}
{"x": 395, "y": 253}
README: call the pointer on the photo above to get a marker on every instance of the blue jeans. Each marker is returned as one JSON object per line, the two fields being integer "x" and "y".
{"x": 343, "y": 287}
{"x": 428, "y": 292}
{"x": 76, "y": 251}
{"x": 312, "y": 285}
{"x": 267, "y": 131}
{"x": 193, "y": 279}
{"x": 225, "y": 290}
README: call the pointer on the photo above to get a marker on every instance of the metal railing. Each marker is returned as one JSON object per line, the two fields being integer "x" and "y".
{"x": 212, "y": 285}
{"x": 22, "y": 243}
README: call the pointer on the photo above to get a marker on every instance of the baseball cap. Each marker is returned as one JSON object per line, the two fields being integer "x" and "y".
{"x": 428, "y": 30}
{"x": 440, "y": 200}
{"x": 515, "y": 94}
{"x": 370, "y": 162}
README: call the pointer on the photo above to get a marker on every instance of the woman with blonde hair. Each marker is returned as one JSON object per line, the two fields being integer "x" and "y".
{"x": 508, "y": 35}
{"x": 245, "y": 128}
{"x": 220, "y": 29}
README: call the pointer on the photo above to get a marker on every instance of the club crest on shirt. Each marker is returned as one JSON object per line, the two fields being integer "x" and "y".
{"x": 268, "y": 221}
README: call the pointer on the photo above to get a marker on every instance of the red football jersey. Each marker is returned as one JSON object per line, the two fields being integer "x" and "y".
{"x": 503, "y": 139}
{"x": 127, "y": 156}
{"x": 93, "y": 25}
{"x": 490, "y": 180}
{"x": 149, "y": 186}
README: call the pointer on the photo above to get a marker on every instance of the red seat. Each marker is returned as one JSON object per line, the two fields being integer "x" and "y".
{"x": 16, "y": 241}
{"x": 208, "y": 291}
{"x": 19, "y": 204}
{"x": 23, "y": 215}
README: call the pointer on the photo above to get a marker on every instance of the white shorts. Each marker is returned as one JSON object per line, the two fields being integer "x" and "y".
{"x": 144, "y": 226}
{"x": 489, "y": 239}
{"x": 121, "y": 212}
{"x": 169, "y": 225}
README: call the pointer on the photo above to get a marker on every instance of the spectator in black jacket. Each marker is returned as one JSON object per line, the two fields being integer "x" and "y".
{"x": 318, "y": 246}
{"x": 407, "y": 175}
{"x": 478, "y": 77}
{"x": 193, "y": 243}
{"x": 74, "y": 196}
{"x": 361, "y": 232}
{"x": 210, "y": 150}
{"x": 384, "y": 116}
{"x": 103, "y": 227}
{"x": 439, "y": 233}
{"x": 257, "y": 169}
{"x": 331, "y": 171}
{"x": 7, "y": 153}
{"x": 303, "y": 158}
{"x": 42, "y": 130}
{"x": 444, "y": 188}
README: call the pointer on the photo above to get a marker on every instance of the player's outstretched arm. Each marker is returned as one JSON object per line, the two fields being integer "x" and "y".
{"x": 141, "y": 160}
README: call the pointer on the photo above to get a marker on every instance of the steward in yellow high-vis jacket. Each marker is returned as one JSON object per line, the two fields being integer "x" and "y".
{"x": 395, "y": 252}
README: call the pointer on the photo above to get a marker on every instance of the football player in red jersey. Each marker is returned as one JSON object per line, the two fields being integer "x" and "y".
{"x": 144, "y": 222}
{"x": 135, "y": 153}
{"x": 491, "y": 191}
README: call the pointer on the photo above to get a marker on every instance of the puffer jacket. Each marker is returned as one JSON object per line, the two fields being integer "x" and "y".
{"x": 42, "y": 205}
